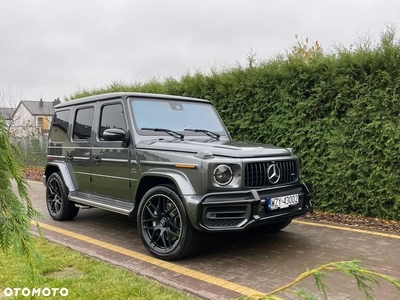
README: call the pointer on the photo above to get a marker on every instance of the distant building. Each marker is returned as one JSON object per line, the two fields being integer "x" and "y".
{"x": 7, "y": 113}
{"x": 33, "y": 117}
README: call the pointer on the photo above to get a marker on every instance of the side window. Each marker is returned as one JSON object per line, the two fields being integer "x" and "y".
{"x": 60, "y": 125}
{"x": 83, "y": 123}
{"x": 112, "y": 116}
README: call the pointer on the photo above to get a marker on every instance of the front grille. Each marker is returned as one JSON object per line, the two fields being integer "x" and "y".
{"x": 226, "y": 216}
{"x": 255, "y": 174}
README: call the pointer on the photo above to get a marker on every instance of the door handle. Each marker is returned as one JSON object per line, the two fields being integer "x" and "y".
{"x": 97, "y": 160}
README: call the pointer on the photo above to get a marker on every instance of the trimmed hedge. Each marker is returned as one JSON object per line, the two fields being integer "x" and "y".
{"x": 340, "y": 111}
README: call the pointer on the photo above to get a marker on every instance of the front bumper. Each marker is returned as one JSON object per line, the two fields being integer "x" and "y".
{"x": 235, "y": 211}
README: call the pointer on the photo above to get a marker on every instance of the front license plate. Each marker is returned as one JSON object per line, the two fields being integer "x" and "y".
{"x": 282, "y": 202}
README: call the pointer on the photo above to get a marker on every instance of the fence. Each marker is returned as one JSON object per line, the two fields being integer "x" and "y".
{"x": 32, "y": 150}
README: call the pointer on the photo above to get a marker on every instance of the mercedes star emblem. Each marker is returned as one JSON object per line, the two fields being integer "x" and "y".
{"x": 274, "y": 173}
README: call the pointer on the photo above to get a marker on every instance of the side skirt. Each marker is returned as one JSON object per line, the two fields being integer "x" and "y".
{"x": 118, "y": 206}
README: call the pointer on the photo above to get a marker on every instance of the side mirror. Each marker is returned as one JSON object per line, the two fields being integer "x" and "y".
{"x": 114, "y": 134}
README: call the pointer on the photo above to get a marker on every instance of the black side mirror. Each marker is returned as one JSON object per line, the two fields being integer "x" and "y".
{"x": 115, "y": 134}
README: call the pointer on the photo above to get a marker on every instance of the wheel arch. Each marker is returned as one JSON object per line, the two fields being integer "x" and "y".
{"x": 152, "y": 178}
{"x": 62, "y": 168}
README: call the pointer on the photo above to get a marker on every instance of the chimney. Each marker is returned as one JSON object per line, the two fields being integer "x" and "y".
{"x": 41, "y": 102}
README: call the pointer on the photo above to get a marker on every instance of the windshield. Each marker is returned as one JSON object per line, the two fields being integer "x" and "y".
{"x": 176, "y": 115}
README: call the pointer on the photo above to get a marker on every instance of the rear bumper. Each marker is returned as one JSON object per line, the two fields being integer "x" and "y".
{"x": 236, "y": 211}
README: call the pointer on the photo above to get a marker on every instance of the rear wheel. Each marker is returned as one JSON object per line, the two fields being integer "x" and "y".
{"x": 275, "y": 227}
{"x": 58, "y": 205}
{"x": 164, "y": 226}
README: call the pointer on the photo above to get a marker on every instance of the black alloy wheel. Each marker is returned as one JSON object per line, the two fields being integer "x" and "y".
{"x": 164, "y": 226}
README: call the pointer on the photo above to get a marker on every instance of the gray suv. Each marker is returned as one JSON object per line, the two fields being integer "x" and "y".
{"x": 170, "y": 162}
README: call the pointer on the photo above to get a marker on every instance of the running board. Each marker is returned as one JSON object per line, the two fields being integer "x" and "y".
{"x": 118, "y": 206}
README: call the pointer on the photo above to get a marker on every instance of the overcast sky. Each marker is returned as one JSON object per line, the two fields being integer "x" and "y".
{"x": 50, "y": 48}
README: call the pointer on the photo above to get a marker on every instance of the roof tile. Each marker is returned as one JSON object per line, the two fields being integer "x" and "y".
{"x": 36, "y": 110}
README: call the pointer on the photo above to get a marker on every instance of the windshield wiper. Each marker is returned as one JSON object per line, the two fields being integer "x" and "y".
{"x": 170, "y": 132}
{"x": 205, "y": 131}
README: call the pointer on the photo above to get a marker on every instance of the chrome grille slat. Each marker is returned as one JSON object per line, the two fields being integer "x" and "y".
{"x": 287, "y": 173}
{"x": 252, "y": 175}
{"x": 256, "y": 173}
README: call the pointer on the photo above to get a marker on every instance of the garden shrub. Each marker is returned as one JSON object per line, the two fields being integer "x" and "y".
{"x": 339, "y": 110}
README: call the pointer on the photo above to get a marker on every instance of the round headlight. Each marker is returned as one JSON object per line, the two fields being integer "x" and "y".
{"x": 223, "y": 174}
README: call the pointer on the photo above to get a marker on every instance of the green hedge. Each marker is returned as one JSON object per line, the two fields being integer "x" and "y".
{"x": 340, "y": 111}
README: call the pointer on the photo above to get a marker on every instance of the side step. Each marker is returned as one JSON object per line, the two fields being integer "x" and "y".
{"x": 118, "y": 206}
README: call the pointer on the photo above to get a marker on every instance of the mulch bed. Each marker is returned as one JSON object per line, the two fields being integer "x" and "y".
{"x": 35, "y": 173}
{"x": 355, "y": 221}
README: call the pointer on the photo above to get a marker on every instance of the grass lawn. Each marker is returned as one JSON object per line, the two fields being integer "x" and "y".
{"x": 83, "y": 276}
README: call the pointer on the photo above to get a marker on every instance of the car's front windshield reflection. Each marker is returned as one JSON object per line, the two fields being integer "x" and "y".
{"x": 176, "y": 115}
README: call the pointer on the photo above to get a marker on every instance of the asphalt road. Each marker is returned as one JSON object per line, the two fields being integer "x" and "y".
{"x": 254, "y": 259}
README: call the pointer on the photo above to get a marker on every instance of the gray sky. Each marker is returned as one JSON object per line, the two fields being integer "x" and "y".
{"x": 50, "y": 48}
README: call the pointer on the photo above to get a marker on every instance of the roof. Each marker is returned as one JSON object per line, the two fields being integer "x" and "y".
{"x": 7, "y": 112}
{"x": 36, "y": 110}
{"x": 125, "y": 95}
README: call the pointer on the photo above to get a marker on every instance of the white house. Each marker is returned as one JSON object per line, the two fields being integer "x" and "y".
{"x": 32, "y": 118}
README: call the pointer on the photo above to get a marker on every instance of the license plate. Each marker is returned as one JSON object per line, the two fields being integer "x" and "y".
{"x": 282, "y": 202}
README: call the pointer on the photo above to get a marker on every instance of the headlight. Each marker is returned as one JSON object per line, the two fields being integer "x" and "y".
{"x": 223, "y": 174}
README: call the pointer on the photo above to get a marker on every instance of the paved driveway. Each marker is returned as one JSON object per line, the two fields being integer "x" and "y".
{"x": 227, "y": 265}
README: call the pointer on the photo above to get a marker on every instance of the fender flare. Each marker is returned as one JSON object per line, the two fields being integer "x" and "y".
{"x": 180, "y": 179}
{"x": 70, "y": 181}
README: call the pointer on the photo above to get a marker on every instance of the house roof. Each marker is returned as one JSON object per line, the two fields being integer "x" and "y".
{"x": 7, "y": 112}
{"x": 36, "y": 110}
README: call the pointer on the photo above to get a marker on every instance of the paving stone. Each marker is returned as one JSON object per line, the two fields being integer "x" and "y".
{"x": 253, "y": 259}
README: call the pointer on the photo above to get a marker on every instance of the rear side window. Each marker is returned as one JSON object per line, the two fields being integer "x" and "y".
{"x": 60, "y": 125}
{"x": 112, "y": 116}
{"x": 83, "y": 123}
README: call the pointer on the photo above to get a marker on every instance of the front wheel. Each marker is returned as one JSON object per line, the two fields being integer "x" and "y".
{"x": 163, "y": 224}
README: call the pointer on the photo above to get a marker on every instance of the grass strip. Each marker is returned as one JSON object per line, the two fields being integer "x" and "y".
{"x": 83, "y": 276}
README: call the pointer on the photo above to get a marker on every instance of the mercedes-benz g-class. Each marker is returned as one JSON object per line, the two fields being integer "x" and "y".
{"x": 170, "y": 162}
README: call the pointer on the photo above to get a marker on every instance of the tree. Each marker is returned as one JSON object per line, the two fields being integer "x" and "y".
{"x": 8, "y": 103}
{"x": 16, "y": 213}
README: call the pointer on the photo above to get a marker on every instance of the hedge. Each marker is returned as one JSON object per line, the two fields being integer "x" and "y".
{"x": 339, "y": 110}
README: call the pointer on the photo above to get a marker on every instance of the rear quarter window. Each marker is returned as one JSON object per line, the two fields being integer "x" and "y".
{"x": 60, "y": 125}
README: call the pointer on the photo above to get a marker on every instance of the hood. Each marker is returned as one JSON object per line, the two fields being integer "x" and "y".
{"x": 228, "y": 148}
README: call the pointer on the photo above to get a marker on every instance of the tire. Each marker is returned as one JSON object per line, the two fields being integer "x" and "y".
{"x": 164, "y": 226}
{"x": 58, "y": 205}
{"x": 276, "y": 227}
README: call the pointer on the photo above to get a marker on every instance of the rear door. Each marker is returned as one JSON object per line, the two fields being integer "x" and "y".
{"x": 111, "y": 160}
{"x": 79, "y": 152}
